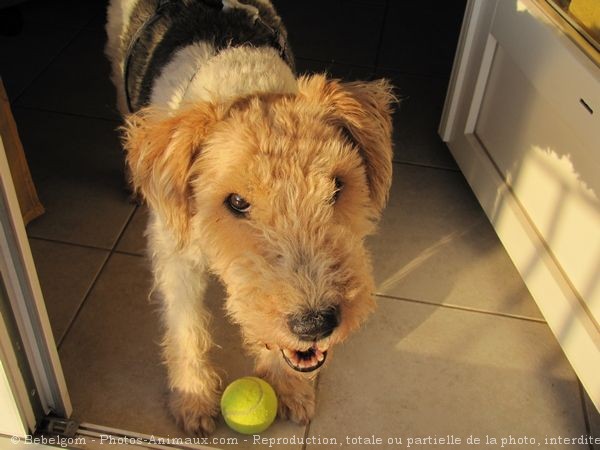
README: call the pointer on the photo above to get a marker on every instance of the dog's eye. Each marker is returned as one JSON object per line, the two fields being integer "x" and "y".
{"x": 237, "y": 204}
{"x": 339, "y": 185}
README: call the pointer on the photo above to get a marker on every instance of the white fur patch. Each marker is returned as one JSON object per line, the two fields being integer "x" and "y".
{"x": 170, "y": 88}
{"x": 241, "y": 71}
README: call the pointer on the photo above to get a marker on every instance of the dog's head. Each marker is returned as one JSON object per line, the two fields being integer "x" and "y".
{"x": 279, "y": 193}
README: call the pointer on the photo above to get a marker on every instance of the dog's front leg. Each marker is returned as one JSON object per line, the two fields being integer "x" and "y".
{"x": 295, "y": 390}
{"x": 194, "y": 384}
{"x": 193, "y": 381}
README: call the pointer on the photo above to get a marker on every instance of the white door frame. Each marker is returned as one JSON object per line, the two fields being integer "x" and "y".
{"x": 27, "y": 303}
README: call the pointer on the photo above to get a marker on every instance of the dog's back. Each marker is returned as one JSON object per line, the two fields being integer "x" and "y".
{"x": 158, "y": 47}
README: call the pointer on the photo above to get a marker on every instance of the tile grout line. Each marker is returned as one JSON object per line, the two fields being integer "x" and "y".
{"x": 463, "y": 308}
{"x": 386, "y": 8}
{"x": 90, "y": 21}
{"x": 86, "y": 246}
{"x": 427, "y": 166}
{"x": 122, "y": 232}
{"x": 307, "y": 430}
{"x": 95, "y": 280}
{"x": 72, "y": 244}
{"x": 82, "y": 303}
{"x": 125, "y": 252}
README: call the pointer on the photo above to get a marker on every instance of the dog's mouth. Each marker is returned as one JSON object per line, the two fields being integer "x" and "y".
{"x": 304, "y": 360}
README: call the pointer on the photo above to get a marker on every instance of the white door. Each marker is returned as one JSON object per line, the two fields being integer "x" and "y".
{"x": 522, "y": 121}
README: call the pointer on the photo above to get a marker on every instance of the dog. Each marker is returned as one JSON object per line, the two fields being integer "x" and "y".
{"x": 267, "y": 180}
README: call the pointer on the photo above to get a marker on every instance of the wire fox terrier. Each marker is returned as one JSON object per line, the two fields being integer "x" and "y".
{"x": 267, "y": 180}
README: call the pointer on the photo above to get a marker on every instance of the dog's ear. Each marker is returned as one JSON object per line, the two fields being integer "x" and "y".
{"x": 161, "y": 149}
{"x": 363, "y": 111}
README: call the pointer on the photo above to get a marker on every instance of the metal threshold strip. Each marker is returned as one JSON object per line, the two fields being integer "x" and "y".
{"x": 96, "y": 436}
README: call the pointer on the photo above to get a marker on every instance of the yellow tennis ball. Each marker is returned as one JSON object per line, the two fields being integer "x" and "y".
{"x": 249, "y": 405}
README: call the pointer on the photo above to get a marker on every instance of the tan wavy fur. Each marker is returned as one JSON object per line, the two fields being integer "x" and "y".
{"x": 300, "y": 246}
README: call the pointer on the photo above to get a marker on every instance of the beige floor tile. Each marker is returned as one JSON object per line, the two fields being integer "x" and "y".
{"x": 61, "y": 13}
{"x": 78, "y": 169}
{"x": 111, "y": 357}
{"x": 133, "y": 239}
{"x": 436, "y": 245}
{"x": 66, "y": 272}
{"x": 342, "y": 31}
{"x": 416, "y": 119}
{"x": 26, "y": 55}
{"x": 420, "y": 370}
{"x": 87, "y": 91}
{"x": 406, "y": 46}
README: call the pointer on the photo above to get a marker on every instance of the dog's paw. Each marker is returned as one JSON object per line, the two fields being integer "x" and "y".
{"x": 194, "y": 413}
{"x": 298, "y": 406}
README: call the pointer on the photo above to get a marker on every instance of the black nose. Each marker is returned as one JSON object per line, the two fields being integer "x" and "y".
{"x": 314, "y": 325}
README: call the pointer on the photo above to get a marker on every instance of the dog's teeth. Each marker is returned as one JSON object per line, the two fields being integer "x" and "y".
{"x": 322, "y": 346}
{"x": 302, "y": 359}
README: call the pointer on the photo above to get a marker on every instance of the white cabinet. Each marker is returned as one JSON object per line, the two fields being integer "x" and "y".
{"x": 522, "y": 119}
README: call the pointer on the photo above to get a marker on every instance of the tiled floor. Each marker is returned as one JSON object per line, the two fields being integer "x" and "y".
{"x": 457, "y": 345}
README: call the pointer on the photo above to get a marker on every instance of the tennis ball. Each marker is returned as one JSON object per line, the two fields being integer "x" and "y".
{"x": 249, "y": 405}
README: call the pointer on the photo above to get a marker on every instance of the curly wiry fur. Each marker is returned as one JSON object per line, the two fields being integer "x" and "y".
{"x": 286, "y": 147}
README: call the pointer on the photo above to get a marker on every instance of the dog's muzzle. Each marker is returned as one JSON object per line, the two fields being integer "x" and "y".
{"x": 311, "y": 326}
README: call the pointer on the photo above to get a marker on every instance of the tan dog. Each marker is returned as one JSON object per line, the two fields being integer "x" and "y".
{"x": 273, "y": 187}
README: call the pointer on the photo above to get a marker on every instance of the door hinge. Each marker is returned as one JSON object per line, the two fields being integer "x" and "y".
{"x": 58, "y": 426}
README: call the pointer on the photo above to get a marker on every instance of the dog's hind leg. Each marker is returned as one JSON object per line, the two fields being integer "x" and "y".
{"x": 194, "y": 384}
